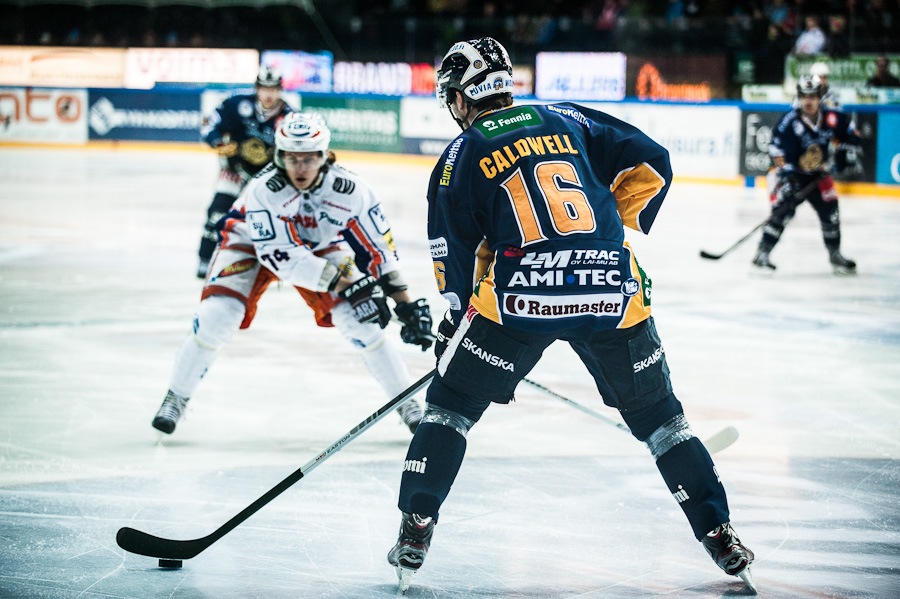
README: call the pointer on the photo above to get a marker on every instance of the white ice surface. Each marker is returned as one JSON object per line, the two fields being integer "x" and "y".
{"x": 97, "y": 290}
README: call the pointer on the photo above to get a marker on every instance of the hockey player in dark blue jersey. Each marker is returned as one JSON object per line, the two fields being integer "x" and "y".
{"x": 525, "y": 222}
{"x": 242, "y": 131}
{"x": 801, "y": 149}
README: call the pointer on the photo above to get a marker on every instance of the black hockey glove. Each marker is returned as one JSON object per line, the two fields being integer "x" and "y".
{"x": 368, "y": 302}
{"x": 788, "y": 186}
{"x": 445, "y": 331}
{"x": 416, "y": 319}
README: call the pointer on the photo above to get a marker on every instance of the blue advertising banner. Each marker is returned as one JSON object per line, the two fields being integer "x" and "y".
{"x": 888, "y": 167}
{"x": 144, "y": 115}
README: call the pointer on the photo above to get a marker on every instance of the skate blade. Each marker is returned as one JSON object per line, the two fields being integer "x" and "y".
{"x": 842, "y": 271}
{"x": 404, "y": 577}
{"x": 748, "y": 579}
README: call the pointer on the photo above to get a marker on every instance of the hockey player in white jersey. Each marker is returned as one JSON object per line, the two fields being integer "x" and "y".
{"x": 308, "y": 222}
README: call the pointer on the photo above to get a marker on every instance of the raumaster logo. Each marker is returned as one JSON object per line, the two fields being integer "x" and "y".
{"x": 563, "y": 306}
{"x": 572, "y": 114}
{"x": 452, "y": 154}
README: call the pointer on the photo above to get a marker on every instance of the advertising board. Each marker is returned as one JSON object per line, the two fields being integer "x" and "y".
{"x": 33, "y": 115}
{"x": 301, "y": 71}
{"x": 148, "y": 116}
{"x": 888, "y": 159}
{"x": 61, "y": 67}
{"x": 145, "y": 67}
{"x": 580, "y": 76}
{"x": 365, "y": 124}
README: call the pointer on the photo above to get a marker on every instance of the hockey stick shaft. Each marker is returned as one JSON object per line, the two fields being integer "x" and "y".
{"x": 714, "y": 444}
{"x": 141, "y": 543}
{"x": 801, "y": 195}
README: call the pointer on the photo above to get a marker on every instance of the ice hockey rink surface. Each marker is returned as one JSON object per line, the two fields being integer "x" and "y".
{"x": 97, "y": 290}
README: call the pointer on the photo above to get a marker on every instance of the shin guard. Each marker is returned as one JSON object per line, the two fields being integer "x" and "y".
{"x": 692, "y": 479}
{"x": 432, "y": 463}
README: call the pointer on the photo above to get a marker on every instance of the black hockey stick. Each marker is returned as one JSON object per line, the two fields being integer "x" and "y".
{"x": 143, "y": 543}
{"x": 714, "y": 444}
{"x": 799, "y": 197}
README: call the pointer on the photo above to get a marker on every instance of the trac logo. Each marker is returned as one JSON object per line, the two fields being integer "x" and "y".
{"x": 563, "y": 306}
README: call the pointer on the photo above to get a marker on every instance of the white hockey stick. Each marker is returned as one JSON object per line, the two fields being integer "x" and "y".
{"x": 719, "y": 441}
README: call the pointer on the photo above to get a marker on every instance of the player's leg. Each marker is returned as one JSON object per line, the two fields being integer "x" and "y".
{"x": 228, "y": 303}
{"x": 216, "y": 320}
{"x": 464, "y": 386}
{"x": 782, "y": 213}
{"x": 631, "y": 373}
{"x": 826, "y": 206}
{"x": 381, "y": 357}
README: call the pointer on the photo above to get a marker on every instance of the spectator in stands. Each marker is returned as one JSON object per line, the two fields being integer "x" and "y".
{"x": 781, "y": 16}
{"x": 812, "y": 41}
{"x": 883, "y": 76}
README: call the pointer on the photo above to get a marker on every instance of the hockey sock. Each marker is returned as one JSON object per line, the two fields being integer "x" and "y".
{"x": 432, "y": 463}
{"x": 385, "y": 363}
{"x": 692, "y": 479}
{"x": 218, "y": 317}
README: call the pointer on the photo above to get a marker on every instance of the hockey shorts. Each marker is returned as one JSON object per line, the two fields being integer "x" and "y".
{"x": 236, "y": 272}
{"x": 485, "y": 361}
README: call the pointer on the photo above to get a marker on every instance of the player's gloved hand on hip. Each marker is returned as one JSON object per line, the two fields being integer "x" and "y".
{"x": 445, "y": 331}
{"x": 416, "y": 319}
{"x": 368, "y": 301}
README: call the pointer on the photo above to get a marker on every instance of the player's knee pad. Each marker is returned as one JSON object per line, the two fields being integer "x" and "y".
{"x": 449, "y": 418}
{"x": 217, "y": 318}
{"x": 364, "y": 335}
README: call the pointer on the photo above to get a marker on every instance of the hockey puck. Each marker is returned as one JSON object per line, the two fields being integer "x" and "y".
{"x": 170, "y": 563}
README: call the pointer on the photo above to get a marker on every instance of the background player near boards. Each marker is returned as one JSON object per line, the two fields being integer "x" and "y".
{"x": 530, "y": 187}
{"x": 804, "y": 149}
{"x": 308, "y": 222}
{"x": 242, "y": 131}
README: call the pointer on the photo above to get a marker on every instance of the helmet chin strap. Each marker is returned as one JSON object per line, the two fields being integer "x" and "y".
{"x": 463, "y": 122}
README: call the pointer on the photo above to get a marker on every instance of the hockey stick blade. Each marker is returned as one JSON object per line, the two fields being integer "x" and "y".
{"x": 714, "y": 444}
{"x": 708, "y": 256}
{"x": 142, "y": 543}
{"x": 721, "y": 440}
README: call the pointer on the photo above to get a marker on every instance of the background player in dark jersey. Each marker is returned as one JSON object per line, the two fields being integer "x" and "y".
{"x": 525, "y": 223}
{"x": 242, "y": 131}
{"x": 801, "y": 149}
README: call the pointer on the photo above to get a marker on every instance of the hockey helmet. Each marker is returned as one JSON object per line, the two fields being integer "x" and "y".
{"x": 477, "y": 69}
{"x": 301, "y": 132}
{"x": 268, "y": 77}
{"x": 820, "y": 69}
{"x": 810, "y": 85}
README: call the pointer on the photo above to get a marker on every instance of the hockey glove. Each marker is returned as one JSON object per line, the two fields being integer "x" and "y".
{"x": 226, "y": 149}
{"x": 788, "y": 186}
{"x": 445, "y": 331}
{"x": 416, "y": 319}
{"x": 368, "y": 302}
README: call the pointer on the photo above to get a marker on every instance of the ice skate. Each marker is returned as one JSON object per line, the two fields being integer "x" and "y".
{"x": 169, "y": 412}
{"x": 411, "y": 412}
{"x": 412, "y": 545}
{"x": 761, "y": 261}
{"x": 726, "y": 549}
{"x": 841, "y": 265}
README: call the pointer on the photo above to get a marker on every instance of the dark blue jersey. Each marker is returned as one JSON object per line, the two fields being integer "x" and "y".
{"x": 798, "y": 145}
{"x": 525, "y": 217}
{"x": 239, "y": 120}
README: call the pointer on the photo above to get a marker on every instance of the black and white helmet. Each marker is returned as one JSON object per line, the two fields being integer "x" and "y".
{"x": 268, "y": 77}
{"x": 301, "y": 132}
{"x": 810, "y": 85}
{"x": 477, "y": 69}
